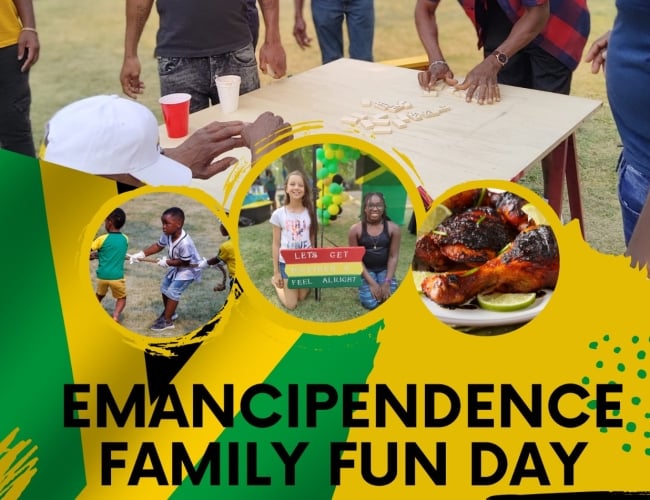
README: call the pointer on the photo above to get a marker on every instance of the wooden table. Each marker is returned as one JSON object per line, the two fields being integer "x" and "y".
{"x": 469, "y": 142}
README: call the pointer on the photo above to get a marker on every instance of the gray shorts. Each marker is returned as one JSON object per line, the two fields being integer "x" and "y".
{"x": 195, "y": 75}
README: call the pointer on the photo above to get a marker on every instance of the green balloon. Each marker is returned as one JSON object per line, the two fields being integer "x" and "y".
{"x": 326, "y": 201}
{"x": 323, "y": 173}
{"x": 335, "y": 188}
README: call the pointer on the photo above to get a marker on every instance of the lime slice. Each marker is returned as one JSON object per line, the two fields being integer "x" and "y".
{"x": 534, "y": 213}
{"x": 418, "y": 277}
{"x": 434, "y": 217}
{"x": 505, "y": 302}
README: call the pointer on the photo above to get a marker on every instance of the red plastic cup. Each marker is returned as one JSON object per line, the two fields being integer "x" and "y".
{"x": 176, "y": 112}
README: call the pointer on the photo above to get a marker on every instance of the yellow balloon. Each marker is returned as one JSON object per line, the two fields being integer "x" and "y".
{"x": 319, "y": 203}
{"x": 337, "y": 198}
{"x": 328, "y": 180}
{"x": 340, "y": 154}
{"x": 319, "y": 184}
{"x": 333, "y": 209}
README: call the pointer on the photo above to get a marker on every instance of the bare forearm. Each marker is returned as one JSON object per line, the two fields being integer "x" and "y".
{"x": 298, "y": 9}
{"x": 526, "y": 29}
{"x": 391, "y": 267}
{"x": 137, "y": 13}
{"x": 271, "y": 16}
{"x": 427, "y": 28}
{"x": 151, "y": 249}
{"x": 25, "y": 9}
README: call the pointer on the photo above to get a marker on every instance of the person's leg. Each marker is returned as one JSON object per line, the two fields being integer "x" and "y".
{"x": 189, "y": 75}
{"x": 240, "y": 62}
{"x": 328, "y": 22}
{"x": 550, "y": 75}
{"x": 15, "y": 103}
{"x": 165, "y": 286}
{"x": 366, "y": 297}
{"x": 288, "y": 296}
{"x": 101, "y": 290}
{"x": 303, "y": 293}
{"x": 633, "y": 189}
{"x": 118, "y": 289}
{"x": 360, "y": 19}
{"x": 120, "y": 304}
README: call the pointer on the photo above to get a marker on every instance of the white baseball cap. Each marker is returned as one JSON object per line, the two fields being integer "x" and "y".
{"x": 110, "y": 135}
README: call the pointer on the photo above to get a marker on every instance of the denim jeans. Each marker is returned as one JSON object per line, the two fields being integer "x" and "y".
{"x": 633, "y": 186}
{"x": 172, "y": 288}
{"x": 15, "y": 103}
{"x": 328, "y": 18}
{"x": 195, "y": 75}
{"x": 366, "y": 297}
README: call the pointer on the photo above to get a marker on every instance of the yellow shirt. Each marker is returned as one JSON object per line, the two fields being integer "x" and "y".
{"x": 10, "y": 25}
{"x": 227, "y": 254}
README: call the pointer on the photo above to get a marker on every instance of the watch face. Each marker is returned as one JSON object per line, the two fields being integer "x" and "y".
{"x": 502, "y": 58}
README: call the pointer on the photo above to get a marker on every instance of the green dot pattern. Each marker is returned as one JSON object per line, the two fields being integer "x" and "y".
{"x": 622, "y": 367}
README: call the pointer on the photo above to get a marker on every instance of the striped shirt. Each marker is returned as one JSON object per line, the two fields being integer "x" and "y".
{"x": 565, "y": 34}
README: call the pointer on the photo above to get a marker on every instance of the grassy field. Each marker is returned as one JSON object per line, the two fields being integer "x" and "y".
{"x": 199, "y": 303}
{"x": 82, "y": 48}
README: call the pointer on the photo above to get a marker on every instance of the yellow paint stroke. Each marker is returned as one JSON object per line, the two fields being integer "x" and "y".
{"x": 408, "y": 163}
{"x": 372, "y": 175}
{"x": 323, "y": 269}
{"x": 17, "y": 465}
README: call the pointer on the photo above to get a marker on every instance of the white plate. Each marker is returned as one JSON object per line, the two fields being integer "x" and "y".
{"x": 483, "y": 317}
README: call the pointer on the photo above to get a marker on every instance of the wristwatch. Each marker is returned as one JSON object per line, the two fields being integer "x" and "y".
{"x": 501, "y": 58}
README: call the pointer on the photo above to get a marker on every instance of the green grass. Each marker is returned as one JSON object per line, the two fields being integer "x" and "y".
{"x": 199, "y": 303}
{"x": 335, "y": 304}
{"x": 82, "y": 48}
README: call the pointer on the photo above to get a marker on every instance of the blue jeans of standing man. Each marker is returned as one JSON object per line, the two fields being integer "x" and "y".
{"x": 633, "y": 187}
{"x": 328, "y": 18}
{"x": 15, "y": 103}
{"x": 195, "y": 75}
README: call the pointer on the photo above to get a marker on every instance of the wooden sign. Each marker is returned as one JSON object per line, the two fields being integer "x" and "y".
{"x": 324, "y": 267}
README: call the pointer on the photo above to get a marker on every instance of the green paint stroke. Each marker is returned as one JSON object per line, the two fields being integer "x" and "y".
{"x": 34, "y": 357}
{"x": 314, "y": 359}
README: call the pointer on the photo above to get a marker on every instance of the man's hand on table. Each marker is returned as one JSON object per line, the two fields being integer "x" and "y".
{"x": 438, "y": 71}
{"x": 265, "y": 133}
{"x": 204, "y": 145}
{"x": 481, "y": 82}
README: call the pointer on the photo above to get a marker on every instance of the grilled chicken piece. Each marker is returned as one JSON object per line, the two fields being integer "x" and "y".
{"x": 467, "y": 199}
{"x": 470, "y": 238}
{"x": 509, "y": 206}
{"x": 532, "y": 263}
{"x": 429, "y": 255}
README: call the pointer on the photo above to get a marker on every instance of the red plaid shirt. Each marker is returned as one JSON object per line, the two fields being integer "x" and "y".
{"x": 565, "y": 34}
